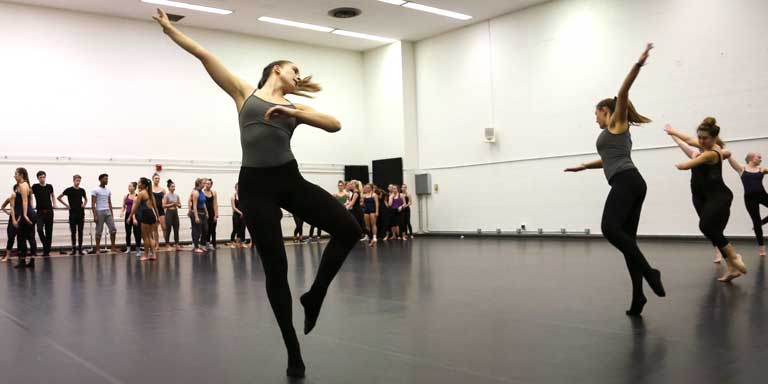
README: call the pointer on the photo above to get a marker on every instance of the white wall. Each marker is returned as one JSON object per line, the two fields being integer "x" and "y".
{"x": 87, "y": 85}
{"x": 383, "y": 71}
{"x": 536, "y": 75}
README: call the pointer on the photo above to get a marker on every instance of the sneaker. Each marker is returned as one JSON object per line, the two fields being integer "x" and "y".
{"x": 210, "y": 247}
{"x": 140, "y": 253}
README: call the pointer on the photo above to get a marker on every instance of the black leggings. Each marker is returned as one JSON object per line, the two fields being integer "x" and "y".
{"x": 714, "y": 210}
{"x": 211, "y": 234}
{"x": 406, "y": 228}
{"x": 621, "y": 217}
{"x": 45, "y": 229}
{"x": 299, "y": 230}
{"x": 312, "y": 231}
{"x": 24, "y": 233}
{"x": 11, "y": 232}
{"x": 262, "y": 210}
{"x": 752, "y": 201}
{"x": 136, "y": 229}
{"x": 238, "y": 228}
{"x": 76, "y": 230}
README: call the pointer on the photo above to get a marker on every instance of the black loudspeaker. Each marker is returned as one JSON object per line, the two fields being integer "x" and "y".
{"x": 356, "y": 172}
{"x": 388, "y": 171}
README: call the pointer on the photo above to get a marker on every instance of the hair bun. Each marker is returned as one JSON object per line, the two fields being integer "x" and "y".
{"x": 711, "y": 121}
{"x": 169, "y": 182}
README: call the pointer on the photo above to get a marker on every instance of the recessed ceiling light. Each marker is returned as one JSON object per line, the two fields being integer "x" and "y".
{"x": 296, "y": 24}
{"x": 193, "y": 7}
{"x": 437, "y": 11}
{"x": 395, "y": 2}
{"x": 363, "y": 36}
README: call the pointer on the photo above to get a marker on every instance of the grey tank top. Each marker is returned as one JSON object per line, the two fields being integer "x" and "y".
{"x": 265, "y": 143}
{"x": 171, "y": 198}
{"x": 615, "y": 152}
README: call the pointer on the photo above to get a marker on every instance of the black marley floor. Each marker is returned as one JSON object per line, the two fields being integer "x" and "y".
{"x": 436, "y": 310}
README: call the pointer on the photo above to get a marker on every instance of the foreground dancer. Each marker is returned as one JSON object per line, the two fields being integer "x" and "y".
{"x": 751, "y": 175}
{"x": 711, "y": 197}
{"x": 267, "y": 122}
{"x": 624, "y": 203}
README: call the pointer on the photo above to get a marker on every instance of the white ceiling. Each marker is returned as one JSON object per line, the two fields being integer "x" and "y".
{"x": 377, "y": 18}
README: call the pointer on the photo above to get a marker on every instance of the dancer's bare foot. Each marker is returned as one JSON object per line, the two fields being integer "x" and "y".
{"x": 729, "y": 276}
{"x": 113, "y": 250}
{"x": 4, "y": 260}
{"x": 168, "y": 248}
{"x": 762, "y": 251}
{"x": 144, "y": 258}
{"x": 199, "y": 250}
{"x": 738, "y": 264}
{"x": 718, "y": 257}
{"x": 373, "y": 242}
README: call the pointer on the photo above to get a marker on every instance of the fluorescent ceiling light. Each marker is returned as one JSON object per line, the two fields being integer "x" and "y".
{"x": 319, "y": 28}
{"x": 193, "y": 7}
{"x": 437, "y": 11}
{"x": 395, "y": 2}
{"x": 363, "y": 36}
{"x": 295, "y": 24}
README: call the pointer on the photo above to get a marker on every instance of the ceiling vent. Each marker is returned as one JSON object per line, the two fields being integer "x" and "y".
{"x": 344, "y": 12}
{"x": 174, "y": 18}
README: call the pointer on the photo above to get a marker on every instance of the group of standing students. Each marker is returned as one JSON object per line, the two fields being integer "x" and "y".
{"x": 710, "y": 195}
{"x": 375, "y": 208}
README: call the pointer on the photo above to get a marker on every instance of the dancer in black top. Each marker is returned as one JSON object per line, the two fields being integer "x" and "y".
{"x": 45, "y": 203}
{"x": 23, "y": 216}
{"x": 692, "y": 153}
{"x": 624, "y": 203}
{"x": 76, "y": 202}
{"x": 158, "y": 193}
{"x": 11, "y": 229}
{"x": 267, "y": 121}
{"x": 212, "y": 208}
{"x": 238, "y": 224}
{"x": 144, "y": 210}
{"x": 751, "y": 175}
{"x": 407, "y": 229}
{"x": 711, "y": 197}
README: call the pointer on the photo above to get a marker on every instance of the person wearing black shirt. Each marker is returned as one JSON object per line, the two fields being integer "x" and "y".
{"x": 76, "y": 201}
{"x": 45, "y": 204}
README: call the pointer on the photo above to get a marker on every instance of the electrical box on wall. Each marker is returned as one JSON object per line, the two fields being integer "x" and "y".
{"x": 424, "y": 184}
{"x": 489, "y": 135}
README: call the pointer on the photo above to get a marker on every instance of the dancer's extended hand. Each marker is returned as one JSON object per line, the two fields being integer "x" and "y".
{"x": 644, "y": 56}
{"x": 575, "y": 169}
{"x": 162, "y": 18}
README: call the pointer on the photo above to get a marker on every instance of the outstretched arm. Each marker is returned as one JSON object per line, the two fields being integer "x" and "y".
{"x": 306, "y": 115}
{"x": 622, "y": 98}
{"x": 679, "y": 135}
{"x": 706, "y": 157}
{"x": 687, "y": 149}
{"x": 238, "y": 89}
{"x": 591, "y": 165}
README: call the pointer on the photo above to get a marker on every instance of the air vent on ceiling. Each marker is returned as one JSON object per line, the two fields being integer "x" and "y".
{"x": 174, "y": 18}
{"x": 344, "y": 12}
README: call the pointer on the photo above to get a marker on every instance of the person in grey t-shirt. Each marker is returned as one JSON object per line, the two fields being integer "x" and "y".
{"x": 101, "y": 200}
{"x": 624, "y": 203}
